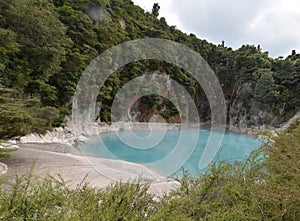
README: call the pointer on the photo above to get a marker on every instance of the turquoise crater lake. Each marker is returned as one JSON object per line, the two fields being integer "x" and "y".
{"x": 145, "y": 147}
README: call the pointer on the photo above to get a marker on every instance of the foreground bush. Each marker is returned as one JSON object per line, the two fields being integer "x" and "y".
{"x": 34, "y": 198}
{"x": 260, "y": 188}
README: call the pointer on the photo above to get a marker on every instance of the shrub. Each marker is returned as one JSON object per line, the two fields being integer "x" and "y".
{"x": 35, "y": 198}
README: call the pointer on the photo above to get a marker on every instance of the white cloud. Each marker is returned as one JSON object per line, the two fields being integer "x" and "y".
{"x": 275, "y": 25}
{"x": 165, "y": 9}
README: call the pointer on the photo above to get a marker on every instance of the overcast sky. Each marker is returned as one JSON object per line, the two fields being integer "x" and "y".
{"x": 275, "y": 25}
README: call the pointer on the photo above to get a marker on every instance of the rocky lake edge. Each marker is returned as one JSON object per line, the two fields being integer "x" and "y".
{"x": 62, "y": 141}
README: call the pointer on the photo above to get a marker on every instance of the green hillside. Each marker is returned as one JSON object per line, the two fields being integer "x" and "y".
{"x": 45, "y": 46}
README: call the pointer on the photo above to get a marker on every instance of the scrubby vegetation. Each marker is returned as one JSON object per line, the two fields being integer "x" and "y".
{"x": 45, "y": 45}
{"x": 33, "y": 198}
{"x": 257, "y": 189}
{"x": 263, "y": 187}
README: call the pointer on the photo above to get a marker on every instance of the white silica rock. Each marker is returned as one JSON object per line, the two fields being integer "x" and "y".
{"x": 57, "y": 135}
{"x": 8, "y": 147}
{"x": 3, "y": 168}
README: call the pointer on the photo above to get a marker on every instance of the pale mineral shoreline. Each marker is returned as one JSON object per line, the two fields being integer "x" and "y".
{"x": 67, "y": 162}
{"x": 55, "y": 153}
{"x": 71, "y": 136}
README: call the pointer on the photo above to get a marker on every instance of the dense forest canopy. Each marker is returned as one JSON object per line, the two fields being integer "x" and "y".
{"x": 45, "y": 46}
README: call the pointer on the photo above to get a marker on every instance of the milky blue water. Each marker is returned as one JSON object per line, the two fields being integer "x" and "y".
{"x": 150, "y": 147}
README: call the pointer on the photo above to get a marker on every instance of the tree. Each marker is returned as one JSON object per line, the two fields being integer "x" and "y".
{"x": 265, "y": 86}
{"x": 8, "y": 48}
{"x": 42, "y": 39}
{"x": 20, "y": 116}
{"x": 84, "y": 40}
{"x": 155, "y": 9}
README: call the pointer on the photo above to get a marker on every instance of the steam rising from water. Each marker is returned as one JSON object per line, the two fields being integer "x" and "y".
{"x": 97, "y": 14}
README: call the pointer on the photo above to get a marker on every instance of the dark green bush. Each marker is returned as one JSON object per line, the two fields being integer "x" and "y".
{"x": 36, "y": 198}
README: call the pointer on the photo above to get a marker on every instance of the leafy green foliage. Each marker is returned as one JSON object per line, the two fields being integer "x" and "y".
{"x": 46, "y": 45}
{"x": 41, "y": 37}
{"x": 34, "y": 198}
{"x": 264, "y": 91}
{"x": 8, "y": 47}
{"x": 260, "y": 188}
{"x": 226, "y": 192}
{"x": 155, "y": 9}
{"x": 283, "y": 182}
{"x": 20, "y": 116}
